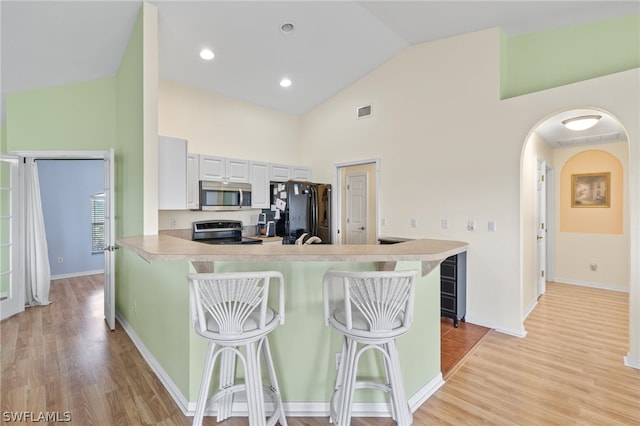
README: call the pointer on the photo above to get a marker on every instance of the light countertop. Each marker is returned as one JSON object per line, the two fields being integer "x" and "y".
{"x": 430, "y": 252}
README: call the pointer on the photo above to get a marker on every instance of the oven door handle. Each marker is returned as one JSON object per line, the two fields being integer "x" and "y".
{"x": 240, "y": 200}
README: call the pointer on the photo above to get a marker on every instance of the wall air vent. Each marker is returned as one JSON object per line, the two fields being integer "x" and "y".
{"x": 363, "y": 111}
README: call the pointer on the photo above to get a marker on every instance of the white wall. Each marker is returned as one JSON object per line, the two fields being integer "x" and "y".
{"x": 449, "y": 148}
{"x": 217, "y": 125}
{"x": 575, "y": 251}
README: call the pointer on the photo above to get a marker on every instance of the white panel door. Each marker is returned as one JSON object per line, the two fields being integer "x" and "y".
{"x": 11, "y": 277}
{"x": 110, "y": 242}
{"x": 357, "y": 209}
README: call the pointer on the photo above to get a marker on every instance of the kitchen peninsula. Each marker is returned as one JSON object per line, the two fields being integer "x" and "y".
{"x": 304, "y": 349}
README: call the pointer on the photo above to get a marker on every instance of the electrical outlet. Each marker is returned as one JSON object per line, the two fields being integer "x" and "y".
{"x": 593, "y": 267}
{"x": 444, "y": 223}
{"x": 61, "y": 259}
{"x": 492, "y": 226}
{"x": 384, "y": 221}
{"x": 471, "y": 225}
{"x": 414, "y": 222}
{"x": 173, "y": 224}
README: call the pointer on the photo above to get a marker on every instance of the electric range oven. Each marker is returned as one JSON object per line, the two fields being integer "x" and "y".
{"x": 220, "y": 232}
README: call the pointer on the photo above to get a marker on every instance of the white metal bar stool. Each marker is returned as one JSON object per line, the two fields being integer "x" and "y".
{"x": 231, "y": 311}
{"x": 372, "y": 311}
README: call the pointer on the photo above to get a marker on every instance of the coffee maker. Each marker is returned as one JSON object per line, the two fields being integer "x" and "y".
{"x": 261, "y": 227}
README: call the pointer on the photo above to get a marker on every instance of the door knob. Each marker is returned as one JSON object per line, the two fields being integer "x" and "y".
{"x": 361, "y": 228}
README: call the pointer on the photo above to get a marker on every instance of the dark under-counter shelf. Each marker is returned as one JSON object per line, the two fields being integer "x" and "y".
{"x": 453, "y": 287}
{"x": 453, "y": 283}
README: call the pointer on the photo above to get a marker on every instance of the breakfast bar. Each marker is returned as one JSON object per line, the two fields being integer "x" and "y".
{"x": 304, "y": 349}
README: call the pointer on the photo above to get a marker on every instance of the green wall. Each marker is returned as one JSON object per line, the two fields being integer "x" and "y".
{"x": 553, "y": 58}
{"x": 79, "y": 116}
{"x": 129, "y": 153}
{"x": 304, "y": 348}
{"x": 3, "y": 139}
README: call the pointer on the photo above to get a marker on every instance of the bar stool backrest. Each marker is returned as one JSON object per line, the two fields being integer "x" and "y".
{"x": 384, "y": 299}
{"x": 232, "y": 300}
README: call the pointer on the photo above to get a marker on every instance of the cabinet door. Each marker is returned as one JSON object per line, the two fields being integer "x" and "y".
{"x": 279, "y": 172}
{"x": 193, "y": 182}
{"x": 301, "y": 173}
{"x": 212, "y": 168}
{"x": 259, "y": 185}
{"x": 237, "y": 170}
{"x": 172, "y": 173}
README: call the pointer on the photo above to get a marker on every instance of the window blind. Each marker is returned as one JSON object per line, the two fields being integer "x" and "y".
{"x": 97, "y": 223}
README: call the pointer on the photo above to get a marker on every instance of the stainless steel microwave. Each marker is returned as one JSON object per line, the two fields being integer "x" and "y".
{"x": 224, "y": 196}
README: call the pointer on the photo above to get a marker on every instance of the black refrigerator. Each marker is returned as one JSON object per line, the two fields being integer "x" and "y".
{"x": 301, "y": 208}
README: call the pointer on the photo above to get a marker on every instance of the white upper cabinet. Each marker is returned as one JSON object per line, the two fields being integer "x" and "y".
{"x": 237, "y": 170}
{"x": 260, "y": 198}
{"x": 279, "y": 172}
{"x": 283, "y": 173}
{"x": 193, "y": 181}
{"x": 223, "y": 169}
{"x": 301, "y": 173}
{"x": 172, "y": 173}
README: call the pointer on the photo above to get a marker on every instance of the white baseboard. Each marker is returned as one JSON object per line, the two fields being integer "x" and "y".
{"x": 590, "y": 284}
{"x": 632, "y": 362}
{"x": 294, "y": 409}
{"x": 170, "y": 386}
{"x": 77, "y": 274}
{"x": 425, "y": 392}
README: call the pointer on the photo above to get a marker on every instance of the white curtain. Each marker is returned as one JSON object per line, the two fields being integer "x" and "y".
{"x": 38, "y": 273}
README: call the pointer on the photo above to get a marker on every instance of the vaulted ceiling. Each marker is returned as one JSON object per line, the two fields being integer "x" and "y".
{"x": 333, "y": 43}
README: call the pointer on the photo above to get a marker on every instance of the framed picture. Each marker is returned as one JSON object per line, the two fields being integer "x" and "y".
{"x": 591, "y": 190}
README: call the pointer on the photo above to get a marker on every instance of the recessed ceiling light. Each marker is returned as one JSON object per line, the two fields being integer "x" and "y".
{"x": 285, "y": 82}
{"x": 583, "y": 122}
{"x": 207, "y": 54}
{"x": 287, "y": 27}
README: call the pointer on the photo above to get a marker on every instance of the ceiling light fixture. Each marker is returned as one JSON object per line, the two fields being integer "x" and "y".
{"x": 207, "y": 54}
{"x": 287, "y": 27}
{"x": 285, "y": 82}
{"x": 583, "y": 122}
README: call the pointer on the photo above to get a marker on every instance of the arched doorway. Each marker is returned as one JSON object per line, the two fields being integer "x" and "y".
{"x": 584, "y": 255}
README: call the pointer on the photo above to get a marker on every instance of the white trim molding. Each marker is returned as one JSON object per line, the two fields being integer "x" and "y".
{"x": 631, "y": 362}
{"x": 295, "y": 409}
{"x": 77, "y": 274}
{"x": 590, "y": 284}
{"x": 175, "y": 393}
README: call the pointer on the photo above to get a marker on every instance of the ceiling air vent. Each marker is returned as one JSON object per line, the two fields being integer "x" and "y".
{"x": 363, "y": 111}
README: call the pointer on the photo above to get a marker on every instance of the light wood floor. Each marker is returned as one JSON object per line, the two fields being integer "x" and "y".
{"x": 568, "y": 370}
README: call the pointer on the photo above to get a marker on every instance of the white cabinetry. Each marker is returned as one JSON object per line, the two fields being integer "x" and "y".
{"x": 223, "y": 169}
{"x": 283, "y": 173}
{"x": 193, "y": 181}
{"x": 172, "y": 173}
{"x": 260, "y": 198}
{"x": 301, "y": 173}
